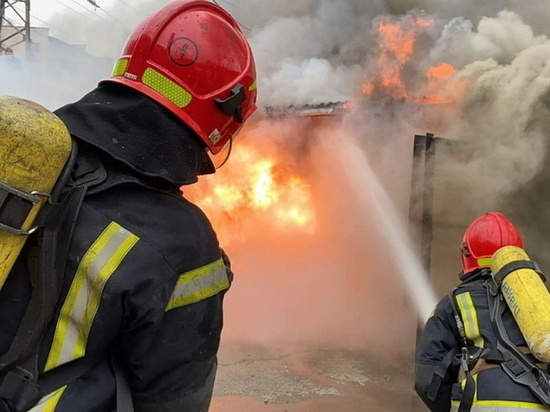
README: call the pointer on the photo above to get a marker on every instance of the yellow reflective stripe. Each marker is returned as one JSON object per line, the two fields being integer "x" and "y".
{"x": 252, "y": 86}
{"x": 484, "y": 262}
{"x": 503, "y": 406}
{"x": 166, "y": 87}
{"x": 510, "y": 404}
{"x": 469, "y": 318}
{"x": 199, "y": 284}
{"x": 83, "y": 299}
{"x": 49, "y": 402}
{"x": 120, "y": 67}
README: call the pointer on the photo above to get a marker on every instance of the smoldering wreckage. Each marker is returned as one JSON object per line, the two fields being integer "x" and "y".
{"x": 430, "y": 129}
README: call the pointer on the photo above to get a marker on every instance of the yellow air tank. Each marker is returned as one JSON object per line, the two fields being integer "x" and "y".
{"x": 34, "y": 147}
{"x": 528, "y": 299}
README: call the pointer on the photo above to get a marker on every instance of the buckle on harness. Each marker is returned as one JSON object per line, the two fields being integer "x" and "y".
{"x": 492, "y": 287}
{"x": 515, "y": 367}
{"x": 464, "y": 360}
{"x": 16, "y": 206}
{"x": 18, "y": 389}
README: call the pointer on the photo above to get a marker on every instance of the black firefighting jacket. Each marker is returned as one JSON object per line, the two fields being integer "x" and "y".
{"x": 438, "y": 357}
{"x": 141, "y": 302}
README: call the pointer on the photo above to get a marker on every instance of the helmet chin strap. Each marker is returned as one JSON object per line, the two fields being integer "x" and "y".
{"x": 228, "y": 154}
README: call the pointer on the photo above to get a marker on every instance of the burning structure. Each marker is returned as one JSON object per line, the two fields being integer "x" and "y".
{"x": 314, "y": 204}
{"x": 368, "y": 142}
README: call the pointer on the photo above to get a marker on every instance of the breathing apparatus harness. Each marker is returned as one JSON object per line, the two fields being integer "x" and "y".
{"x": 22, "y": 384}
{"x": 517, "y": 364}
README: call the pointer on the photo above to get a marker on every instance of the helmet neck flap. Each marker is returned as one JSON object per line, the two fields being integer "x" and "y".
{"x": 136, "y": 131}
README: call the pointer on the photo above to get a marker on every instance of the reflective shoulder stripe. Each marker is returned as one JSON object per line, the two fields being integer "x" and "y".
{"x": 199, "y": 284}
{"x": 82, "y": 301}
{"x": 469, "y": 318}
{"x": 49, "y": 402}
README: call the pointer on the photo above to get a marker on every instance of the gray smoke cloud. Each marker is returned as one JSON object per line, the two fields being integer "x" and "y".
{"x": 505, "y": 96}
{"x": 318, "y": 51}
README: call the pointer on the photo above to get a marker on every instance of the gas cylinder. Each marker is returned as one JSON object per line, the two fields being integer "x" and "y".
{"x": 528, "y": 300}
{"x": 34, "y": 148}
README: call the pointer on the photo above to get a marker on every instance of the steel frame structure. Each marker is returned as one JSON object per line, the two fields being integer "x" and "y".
{"x": 19, "y": 23}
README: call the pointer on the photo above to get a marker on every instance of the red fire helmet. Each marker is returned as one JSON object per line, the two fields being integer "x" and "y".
{"x": 193, "y": 59}
{"x": 484, "y": 237}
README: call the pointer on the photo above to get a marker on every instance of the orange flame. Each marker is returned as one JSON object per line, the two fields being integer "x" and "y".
{"x": 442, "y": 86}
{"x": 396, "y": 44}
{"x": 396, "y": 41}
{"x": 253, "y": 188}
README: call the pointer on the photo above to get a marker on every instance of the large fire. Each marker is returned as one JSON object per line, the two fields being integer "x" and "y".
{"x": 256, "y": 188}
{"x": 262, "y": 188}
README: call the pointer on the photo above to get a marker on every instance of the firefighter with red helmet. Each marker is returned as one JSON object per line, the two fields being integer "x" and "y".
{"x": 470, "y": 356}
{"x": 139, "y": 269}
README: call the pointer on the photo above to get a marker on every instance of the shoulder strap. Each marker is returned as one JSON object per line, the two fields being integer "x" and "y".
{"x": 514, "y": 265}
{"x": 63, "y": 375}
{"x": 439, "y": 375}
{"x": 21, "y": 385}
{"x": 46, "y": 259}
{"x": 514, "y": 362}
{"x": 124, "y": 402}
{"x": 46, "y": 262}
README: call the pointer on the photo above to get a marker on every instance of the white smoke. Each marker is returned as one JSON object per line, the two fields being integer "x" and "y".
{"x": 301, "y": 54}
{"x": 500, "y": 38}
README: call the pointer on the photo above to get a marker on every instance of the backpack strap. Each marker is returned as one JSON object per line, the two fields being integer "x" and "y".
{"x": 438, "y": 375}
{"x": 46, "y": 254}
{"x": 21, "y": 384}
{"x": 124, "y": 401}
{"x": 515, "y": 265}
{"x": 517, "y": 365}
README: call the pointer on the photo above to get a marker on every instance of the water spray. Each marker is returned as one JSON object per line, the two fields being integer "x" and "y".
{"x": 412, "y": 273}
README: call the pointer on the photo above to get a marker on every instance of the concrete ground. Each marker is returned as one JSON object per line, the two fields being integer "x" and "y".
{"x": 257, "y": 379}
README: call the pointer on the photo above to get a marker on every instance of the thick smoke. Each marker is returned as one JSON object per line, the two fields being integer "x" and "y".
{"x": 318, "y": 51}
{"x": 504, "y": 115}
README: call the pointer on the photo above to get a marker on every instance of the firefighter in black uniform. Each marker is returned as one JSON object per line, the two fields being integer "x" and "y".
{"x": 139, "y": 319}
{"x": 458, "y": 366}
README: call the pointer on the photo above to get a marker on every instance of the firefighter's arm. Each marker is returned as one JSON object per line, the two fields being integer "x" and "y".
{"x": 436, "y": 364}
{"x": 172, "y": 339}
